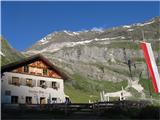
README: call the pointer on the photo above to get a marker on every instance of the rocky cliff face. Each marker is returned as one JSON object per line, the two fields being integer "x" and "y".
{"x": 97, "y": 51}
{"x": 109, "y": 55}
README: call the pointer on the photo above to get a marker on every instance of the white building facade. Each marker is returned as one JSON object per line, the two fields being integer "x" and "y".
{"x": 44, "y": 87}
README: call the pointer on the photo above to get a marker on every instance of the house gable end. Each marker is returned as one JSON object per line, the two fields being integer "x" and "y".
{"x": 36, "y": 65}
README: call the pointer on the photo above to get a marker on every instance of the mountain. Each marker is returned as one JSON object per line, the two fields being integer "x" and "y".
{"x": 57, "y": 40}
{"x": 8, "y": 54}
{"x": 98, "y": 60}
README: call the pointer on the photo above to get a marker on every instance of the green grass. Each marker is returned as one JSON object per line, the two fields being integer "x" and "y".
{"x": 83, "y": 89}
{"x": 78, "y": 96}
{"x": 139, "y": 59}
{"x": 127, "y": 45}
{"x": 155, "y": 45}
{"x": 148, "y": 89}
{"x": 119, "y": 70}
{"x": 147, "y": 85}
{"x": 135, "y": 93}
{"x": 11, "y": 55}
{"x": 97, "y": 85}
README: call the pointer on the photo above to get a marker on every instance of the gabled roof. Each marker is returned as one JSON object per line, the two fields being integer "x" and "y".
{"x": 29, "y": 60}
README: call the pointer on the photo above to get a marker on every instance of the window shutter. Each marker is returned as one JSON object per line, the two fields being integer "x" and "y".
{"x": 38, "y": 83}
{"x": 9, "y": 79}
{"x": 49, "y": 84}
{"x": 58, "y": 85}
{"x": 46, "y": 83}
{"x": 23, "y": 81}
{"x": 33, "y": 82}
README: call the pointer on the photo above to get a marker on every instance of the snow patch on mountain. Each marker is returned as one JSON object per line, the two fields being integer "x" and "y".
{"x": 126, "y": 26}
{"x": 147, "y": 23}
{"x": 130, "y": 30}
{"x": 111, "y": 38}
{"x": 68, "y": 33}
{"x": 75, "y": 33}
{"x": 57, "y": 46}
{"x": 118, "y": 37}
{"x": 97, "y": 29}
{"x": 71, "y": 33}
{"x": 44, "y": 41}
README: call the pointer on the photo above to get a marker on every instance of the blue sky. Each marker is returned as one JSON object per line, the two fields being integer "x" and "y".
{"x": 24, "y": 23}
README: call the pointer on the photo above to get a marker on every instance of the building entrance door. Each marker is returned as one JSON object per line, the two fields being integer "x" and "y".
{"x": 42, "y": 100}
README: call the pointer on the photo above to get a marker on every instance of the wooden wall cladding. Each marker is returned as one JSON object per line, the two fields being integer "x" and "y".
{"x": 36, "y": 68}
{"x": 53, "y": 74}
{"x": 19, "y": 70}
{"x": 38, "y": 64}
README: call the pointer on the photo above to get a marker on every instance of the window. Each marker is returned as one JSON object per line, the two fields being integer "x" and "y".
{"x": 42, "y": 100}
{"x": 54, "y": 85}
{"x": 15, "y": 81}
{"x": 29, "y": 82}
{"x": 54, "y": 100}
{"x": 44, "y": 71}
{"x": 26, "y": 68}
{"x": 28, "y": 100}
{"x": 7, "y": 92}
{"x": 43, "y": 84}
{"x": 14, "y": 99}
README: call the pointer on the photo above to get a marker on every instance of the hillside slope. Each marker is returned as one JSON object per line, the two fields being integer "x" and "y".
{"x": 8, "y": 54}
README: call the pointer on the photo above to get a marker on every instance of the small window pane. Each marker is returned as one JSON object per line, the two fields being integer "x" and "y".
{"x": 7, "y": 92}
{"x": 43, "y": 84}
{"x": 54, "y": 85}
{"x": 14, "y": 99}
{"x": 28, "y": 100}
{"x": 29, "y": 82}
{"x": 15, "y": 81}
{"x": 54, "y": 100}
{"x": 44, "y": 71}
{"x": 26, "y": 68}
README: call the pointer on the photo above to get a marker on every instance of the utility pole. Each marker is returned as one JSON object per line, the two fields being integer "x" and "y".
{"x": 143, "y": 35}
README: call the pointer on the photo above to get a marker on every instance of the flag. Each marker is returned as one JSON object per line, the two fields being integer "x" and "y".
{"x": 151, "y": 64}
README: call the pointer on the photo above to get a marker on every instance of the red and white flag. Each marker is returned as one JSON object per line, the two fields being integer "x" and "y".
{"x": 151, "y": 64}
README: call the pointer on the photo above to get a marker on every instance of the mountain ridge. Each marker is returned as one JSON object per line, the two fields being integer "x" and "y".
{"x": 123, "y": 32}
{"x": 102, "y": 56}
{"x": 97, "y": 61}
